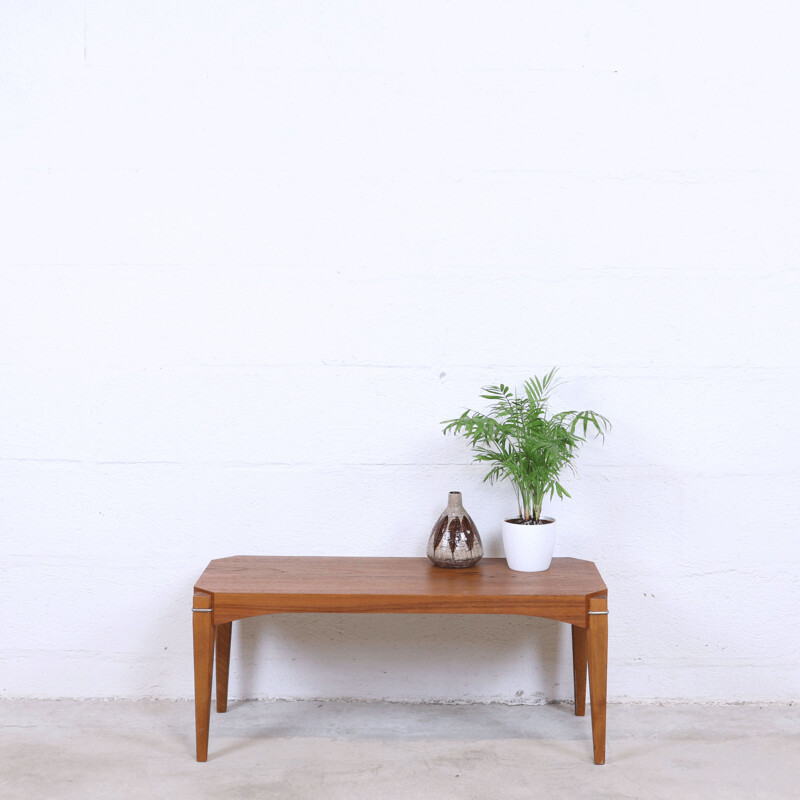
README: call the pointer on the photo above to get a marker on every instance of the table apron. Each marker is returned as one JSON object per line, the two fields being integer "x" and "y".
{"x": 571, "y": 609}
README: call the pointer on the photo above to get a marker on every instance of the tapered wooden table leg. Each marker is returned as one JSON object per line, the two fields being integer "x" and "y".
{"x": 203, "y": 630}
{"x": 223, "y": 663}
{"x": 597, "y": 640}
{"x": 580, "y": 661}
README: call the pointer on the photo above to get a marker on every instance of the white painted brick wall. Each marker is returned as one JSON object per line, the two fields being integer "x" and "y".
{"x": 251, "y": 254}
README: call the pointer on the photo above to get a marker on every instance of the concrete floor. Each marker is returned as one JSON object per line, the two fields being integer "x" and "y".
{"x": 66, "y": 749}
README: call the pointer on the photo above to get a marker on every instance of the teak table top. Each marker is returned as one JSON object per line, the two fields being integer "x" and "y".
{"x": 243, "y": 586}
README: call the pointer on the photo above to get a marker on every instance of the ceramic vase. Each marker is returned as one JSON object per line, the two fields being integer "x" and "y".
{"x": 454, "y": 542}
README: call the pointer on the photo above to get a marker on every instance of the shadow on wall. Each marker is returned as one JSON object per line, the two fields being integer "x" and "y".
{"x": 403, "y": 657}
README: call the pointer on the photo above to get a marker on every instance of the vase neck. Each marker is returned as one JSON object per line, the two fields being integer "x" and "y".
{"x": 454, "y": 504}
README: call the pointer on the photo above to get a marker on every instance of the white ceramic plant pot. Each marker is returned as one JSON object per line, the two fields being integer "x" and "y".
{"x": 529, "y": 548}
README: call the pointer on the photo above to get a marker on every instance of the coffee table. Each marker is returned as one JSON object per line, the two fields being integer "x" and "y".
{"x": 229, "y": 589}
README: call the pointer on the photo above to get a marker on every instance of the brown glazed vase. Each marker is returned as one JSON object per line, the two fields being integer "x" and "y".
{"x": 455, "y": 542}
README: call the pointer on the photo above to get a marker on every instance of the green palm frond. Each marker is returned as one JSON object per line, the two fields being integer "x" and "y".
{"x": 523, "y": 444}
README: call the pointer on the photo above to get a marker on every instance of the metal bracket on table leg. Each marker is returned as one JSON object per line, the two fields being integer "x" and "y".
{"x": 588, "y": 612}
{"x": 209, "y": 610}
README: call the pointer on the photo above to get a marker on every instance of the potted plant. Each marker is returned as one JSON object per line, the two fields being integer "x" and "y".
{"x": 530, "y": 447}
